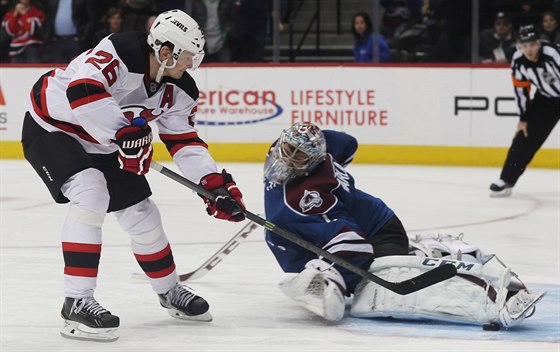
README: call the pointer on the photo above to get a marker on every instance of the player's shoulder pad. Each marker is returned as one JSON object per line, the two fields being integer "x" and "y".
{"x": 133, "y": 50}
{"x": 313, "y": 194}
{"x": 186, "y": 83}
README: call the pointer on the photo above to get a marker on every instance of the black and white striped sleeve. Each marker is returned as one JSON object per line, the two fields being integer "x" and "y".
{"x": 521, "y": 84}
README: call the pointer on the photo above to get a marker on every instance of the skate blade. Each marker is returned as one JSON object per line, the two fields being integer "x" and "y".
{"x": 529, "y": 306}
{"x": 76, "y": 331}
{"x": 501, "y": 194}
{"x": 206, "y": 317}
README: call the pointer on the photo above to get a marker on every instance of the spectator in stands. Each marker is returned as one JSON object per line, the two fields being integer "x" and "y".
{"x": 550, "y": 31}
{"x": 216, "y": 19}
{"x": 363, "y": 40}
{"x": 449, "y": 25}
{"x": 396, "y": 18}
{"x": 248, "y": 33}
{"x": 69, "y": 27}
{"x": 498, "y": 44}
{"x": 101, "y": 9}
{"x": 136, "y": 14}
{"x": 113, "y": 21}
{"x": 5, "y": 38}
{"x": 23, "y": 23}
{"x": 527, "y": 12}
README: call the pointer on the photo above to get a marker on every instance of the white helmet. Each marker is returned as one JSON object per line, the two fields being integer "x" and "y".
{"x": 182, "y": 31}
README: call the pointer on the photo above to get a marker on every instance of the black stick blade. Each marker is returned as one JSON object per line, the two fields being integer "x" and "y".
{"x": 429, "y": 278}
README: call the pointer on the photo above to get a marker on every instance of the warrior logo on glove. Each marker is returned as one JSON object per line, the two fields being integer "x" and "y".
{"x": 135, "y": 146}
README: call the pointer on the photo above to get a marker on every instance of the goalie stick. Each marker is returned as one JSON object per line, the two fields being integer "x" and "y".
{"x": 414, "y": 284}
{"x": 215, "y": 259}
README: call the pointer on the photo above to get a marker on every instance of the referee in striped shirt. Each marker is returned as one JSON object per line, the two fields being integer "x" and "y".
{"x": 536, "y": 64}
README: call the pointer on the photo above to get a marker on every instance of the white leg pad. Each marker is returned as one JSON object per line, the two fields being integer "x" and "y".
{"x": 455, "y": 300}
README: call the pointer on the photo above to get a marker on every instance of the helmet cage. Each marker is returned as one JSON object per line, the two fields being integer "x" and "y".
{"x": 298, "y": 151}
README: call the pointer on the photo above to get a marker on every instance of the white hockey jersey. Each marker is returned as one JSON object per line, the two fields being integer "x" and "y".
{"x": 104, "y": 88}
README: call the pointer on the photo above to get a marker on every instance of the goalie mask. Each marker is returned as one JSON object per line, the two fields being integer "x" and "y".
{"x": 297, "y": 152}
{"x": 179, "y": 29}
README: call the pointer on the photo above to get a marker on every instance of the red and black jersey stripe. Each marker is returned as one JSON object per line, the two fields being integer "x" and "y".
{"x": 158, "y": 264}
{"x": 85, "y": 91}
{"x": 174, "y": 142}
{"x": 81, "y": 259}
{"x": 39, "y": 102}
{"x": 38, "y": 96}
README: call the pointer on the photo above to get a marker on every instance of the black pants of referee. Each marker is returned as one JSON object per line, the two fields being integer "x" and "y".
{"x": 543, "y": 114}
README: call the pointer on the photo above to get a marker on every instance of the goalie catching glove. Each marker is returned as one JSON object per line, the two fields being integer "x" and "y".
{"x": 135, "y": 146}
{"x": 228, "y": 204}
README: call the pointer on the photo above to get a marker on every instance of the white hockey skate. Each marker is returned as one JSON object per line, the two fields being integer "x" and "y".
{"x": 182, "y": 303}
{"x": 85, "y": 319}
{"x": 519, "y": 307}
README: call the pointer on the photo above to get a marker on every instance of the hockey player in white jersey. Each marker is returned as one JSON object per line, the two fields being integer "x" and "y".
{"x": 87, "y": 134}
{"x": 309, "y": 192}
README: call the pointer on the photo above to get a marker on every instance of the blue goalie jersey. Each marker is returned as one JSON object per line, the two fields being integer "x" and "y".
{"x": 326, "y": 209}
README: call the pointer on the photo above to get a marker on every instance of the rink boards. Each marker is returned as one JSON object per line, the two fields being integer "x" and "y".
{"x": 438, "y": 115}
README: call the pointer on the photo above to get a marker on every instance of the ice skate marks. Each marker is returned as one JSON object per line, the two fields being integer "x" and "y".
{"x": 543, "y": 326}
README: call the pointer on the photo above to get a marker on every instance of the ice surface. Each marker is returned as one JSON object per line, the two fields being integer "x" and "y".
{"x": 250, "y": 313}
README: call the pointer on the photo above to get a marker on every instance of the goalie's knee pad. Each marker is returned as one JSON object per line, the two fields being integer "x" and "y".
{"x": 319, "y": 288}
{"x": 477, "y": 295}
{"x": 447, "y": 246}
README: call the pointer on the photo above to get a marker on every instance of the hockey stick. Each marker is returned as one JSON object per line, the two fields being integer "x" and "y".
{"x": 414, "y": 284}
{"x": 215, "y": 259}
{"x": 220, "y": 254}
